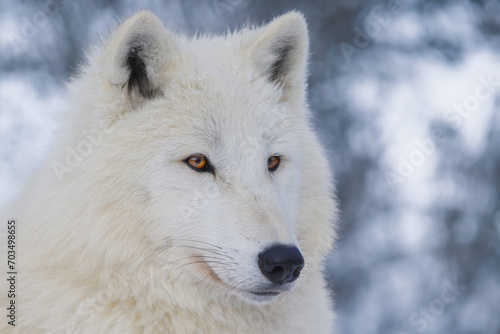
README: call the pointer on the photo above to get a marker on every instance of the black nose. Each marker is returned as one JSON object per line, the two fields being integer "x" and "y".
{"x": 281, "y": 264}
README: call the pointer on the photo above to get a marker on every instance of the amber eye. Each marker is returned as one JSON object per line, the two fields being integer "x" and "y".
{"x": 199, "y": 163}
{"x": 273, "y": 162}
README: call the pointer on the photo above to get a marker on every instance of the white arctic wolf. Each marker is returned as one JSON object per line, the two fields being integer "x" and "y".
{"x": 188, "y": 193}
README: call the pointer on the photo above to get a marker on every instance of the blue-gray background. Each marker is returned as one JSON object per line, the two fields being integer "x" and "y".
{"x": 405, "y": 95}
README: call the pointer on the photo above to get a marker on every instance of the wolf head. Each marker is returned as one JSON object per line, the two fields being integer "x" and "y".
{"x": 210, "y": 166}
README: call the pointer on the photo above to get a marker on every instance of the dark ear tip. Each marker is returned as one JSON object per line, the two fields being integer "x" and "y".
{"x": 279, "y": 66}
{"x": 138, "y": 79}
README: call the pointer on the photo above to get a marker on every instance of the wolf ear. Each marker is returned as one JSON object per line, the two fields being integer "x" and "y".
{"x": 136, "y": 55}
{"x": 280, "y": 50}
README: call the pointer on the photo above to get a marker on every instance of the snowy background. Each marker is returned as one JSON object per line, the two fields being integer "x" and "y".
{"x": 405, "y": 95}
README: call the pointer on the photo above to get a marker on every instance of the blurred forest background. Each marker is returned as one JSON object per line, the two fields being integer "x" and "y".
{"x": 405, "y": 95}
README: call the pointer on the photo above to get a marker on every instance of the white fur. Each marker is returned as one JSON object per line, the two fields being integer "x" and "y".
{"x": 128, "y": 239}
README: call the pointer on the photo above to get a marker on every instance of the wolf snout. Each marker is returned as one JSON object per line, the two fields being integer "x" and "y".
{"x": 281, "y": 264}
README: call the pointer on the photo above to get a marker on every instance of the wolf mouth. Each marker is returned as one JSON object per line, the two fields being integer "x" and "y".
{"x": 257, "y": 293}
{"x": 265, "y": 293}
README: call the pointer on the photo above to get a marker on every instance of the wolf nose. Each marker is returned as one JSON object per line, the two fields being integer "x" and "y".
{"x": 281, "y": 264}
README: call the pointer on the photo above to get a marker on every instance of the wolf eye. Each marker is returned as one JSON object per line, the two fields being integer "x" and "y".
{"x": 273, "y": 162}
{"x": 199, "y": 163}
